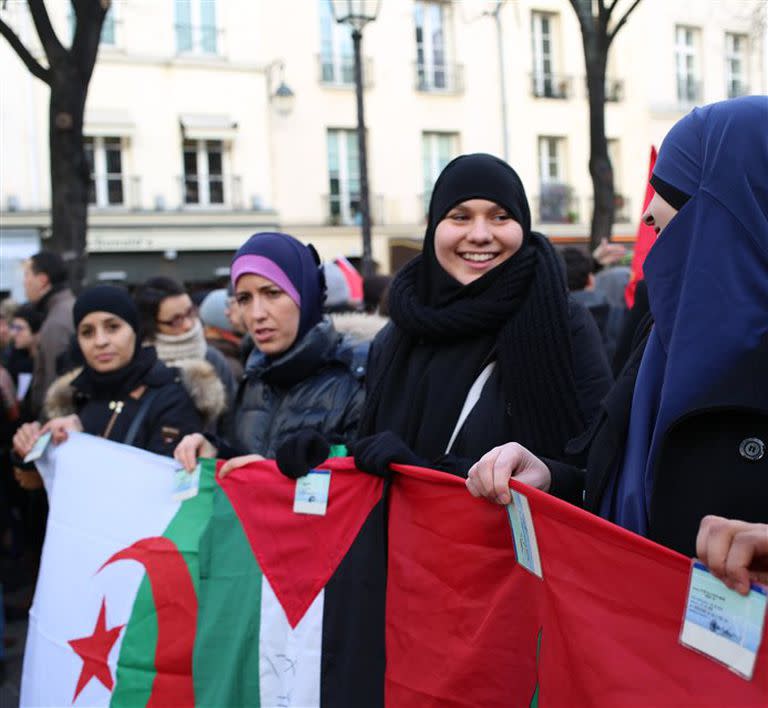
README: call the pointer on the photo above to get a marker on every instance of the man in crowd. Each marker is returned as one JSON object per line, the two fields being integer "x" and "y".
{"x": 45, "y": 284}
{"x": 580, "y": 269}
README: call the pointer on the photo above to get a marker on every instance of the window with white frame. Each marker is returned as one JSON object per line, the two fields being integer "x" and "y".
{"x": 196, "y": 31}
{"x": 105, "y": 162}
{"x": 433, "y": 72}
{"x": 546, "y": 83}
{"x": 551, "y": 159}
{"x": 555, "y": 198}
{"x": 343, "y": 177}
{"x": 337, "y": 64}
{"x": 108, "y": 28}
{"x": 735, "y": 64}
{"x": 437, "y": 150}
{"x": 203, "y": 172}
{"x": 687, "y": 64}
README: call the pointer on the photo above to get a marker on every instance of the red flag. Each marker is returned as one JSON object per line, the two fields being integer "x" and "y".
{"x": 467, "y": 626}
{"x": 353, "y": 278}
{"x": 644, "y": 239}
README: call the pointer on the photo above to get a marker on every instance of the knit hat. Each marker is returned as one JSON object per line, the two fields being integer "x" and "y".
{"x": 289, "y": 264}
{"x": 106, "y": 298}
{"x": 213, "y": 310}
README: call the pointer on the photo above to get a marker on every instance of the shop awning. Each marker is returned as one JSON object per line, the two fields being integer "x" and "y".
{"x": 208, "y": 126}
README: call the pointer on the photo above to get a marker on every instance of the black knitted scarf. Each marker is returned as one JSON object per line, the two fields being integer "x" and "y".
{"x": 520, "y": 319}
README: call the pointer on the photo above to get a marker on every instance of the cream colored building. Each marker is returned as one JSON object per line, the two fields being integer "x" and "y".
{"x": 190, "y": 155}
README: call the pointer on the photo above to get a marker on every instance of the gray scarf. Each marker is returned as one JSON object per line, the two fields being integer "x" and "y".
{"x": 173, "y": 348}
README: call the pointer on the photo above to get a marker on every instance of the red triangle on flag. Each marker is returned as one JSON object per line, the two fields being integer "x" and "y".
{"x": 298, "y": 553}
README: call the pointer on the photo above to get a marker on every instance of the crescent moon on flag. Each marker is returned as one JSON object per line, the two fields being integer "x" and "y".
{"x": 176, "y": 606}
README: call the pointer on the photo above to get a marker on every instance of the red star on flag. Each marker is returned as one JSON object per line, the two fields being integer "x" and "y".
{"x": 94, "y": 651}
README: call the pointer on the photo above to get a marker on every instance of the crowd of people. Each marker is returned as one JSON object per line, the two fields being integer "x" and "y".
{"x": 492, "y": 356}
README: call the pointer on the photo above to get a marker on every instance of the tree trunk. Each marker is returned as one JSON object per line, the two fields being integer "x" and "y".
{"x": 70, "y": 174}
{"x": 600, "y": 168}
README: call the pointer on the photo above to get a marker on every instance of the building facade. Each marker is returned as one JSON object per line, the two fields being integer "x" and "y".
{"x": 191, "y": 152}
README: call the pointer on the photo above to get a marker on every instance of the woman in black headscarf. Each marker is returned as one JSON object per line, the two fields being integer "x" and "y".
{"x": 123, "y": 392}
{"x": 483, "y": 343}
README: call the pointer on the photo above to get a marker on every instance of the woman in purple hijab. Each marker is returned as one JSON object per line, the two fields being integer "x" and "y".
{"x": 302, "y": 373}
{"x": 684, "y": 431}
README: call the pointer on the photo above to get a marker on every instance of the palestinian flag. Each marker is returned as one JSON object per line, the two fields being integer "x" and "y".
{"x": 467, "y": 626}
{"x": 229, "y": 598}
{"x": 114, "y": 613}
{"x": 292, "y": 605}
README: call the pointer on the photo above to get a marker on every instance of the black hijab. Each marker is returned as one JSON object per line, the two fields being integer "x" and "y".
{"x": 445, "y": 332}
{"x": 119, "y": 383}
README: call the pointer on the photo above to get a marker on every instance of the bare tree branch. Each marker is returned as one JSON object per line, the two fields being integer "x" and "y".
{"x": 622, "y": 21}
{"x": 34, "y": 66}
{"x": 51, "y": 45}
{"x": 609, "y": 9}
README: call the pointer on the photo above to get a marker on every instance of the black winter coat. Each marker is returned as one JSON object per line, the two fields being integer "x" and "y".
{"x": 489, "y": 424}
{"x": 316, "y": 385}
{"x": 171, "y": 414}
{"x": 712, "y": 460}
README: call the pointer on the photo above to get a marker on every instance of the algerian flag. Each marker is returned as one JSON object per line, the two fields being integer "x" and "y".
{"x": 117, "y": 578}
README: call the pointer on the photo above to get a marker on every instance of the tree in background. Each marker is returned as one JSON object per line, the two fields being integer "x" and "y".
{"x": 68, "y": 74}
{"x": 600, "y": 23}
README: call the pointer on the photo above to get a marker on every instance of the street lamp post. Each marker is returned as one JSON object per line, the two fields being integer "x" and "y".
{"x": 357, "y": 14}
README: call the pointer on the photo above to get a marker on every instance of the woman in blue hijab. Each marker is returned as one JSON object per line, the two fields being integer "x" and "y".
{"x": 684, "y": 431}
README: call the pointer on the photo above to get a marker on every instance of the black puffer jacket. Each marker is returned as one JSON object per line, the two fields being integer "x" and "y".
{"x": 183, "y": 400}
{"x": 316, "y": 385}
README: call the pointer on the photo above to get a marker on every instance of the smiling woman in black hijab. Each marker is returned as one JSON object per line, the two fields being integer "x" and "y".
{"x": 484, "y": 346}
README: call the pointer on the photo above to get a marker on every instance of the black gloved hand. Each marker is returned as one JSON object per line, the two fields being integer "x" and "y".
{"x": 301, "y": 452}
{"x": 375, "y": 453}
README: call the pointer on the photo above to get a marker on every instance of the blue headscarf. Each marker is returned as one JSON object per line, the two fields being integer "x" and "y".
{"x": 707, "y": 278}
{"x": 289, "y": 264}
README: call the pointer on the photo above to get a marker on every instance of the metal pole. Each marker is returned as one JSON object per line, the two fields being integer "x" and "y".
{"x": 502, "y": 78}
{"x": 367, "y": 262}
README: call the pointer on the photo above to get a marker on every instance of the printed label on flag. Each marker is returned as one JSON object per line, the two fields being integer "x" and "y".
{"x": 38, "y": 448}
{"x": 721, "y": 623}
{"x": 186, "y": 484}
{"x": 523, "y": 534}
{"x": 312, "y": 493}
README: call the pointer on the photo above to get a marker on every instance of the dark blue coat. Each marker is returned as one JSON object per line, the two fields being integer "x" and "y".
{"x": 713, "y": 459}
